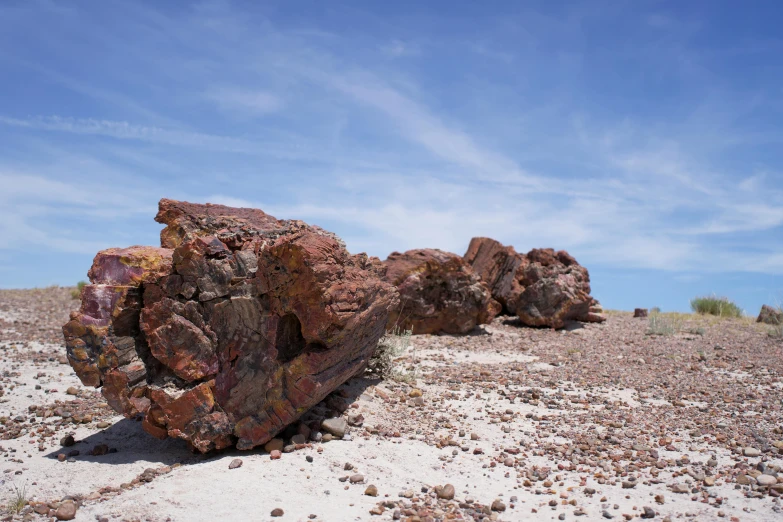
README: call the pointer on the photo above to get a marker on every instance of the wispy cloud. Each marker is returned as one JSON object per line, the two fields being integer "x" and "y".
{"x": 124, "y": 130}
{"x": 515, "y": 126}
{"x": 245, "y": 101}
{"x": 28, "y": 202}
{"x": 397, "y": 48}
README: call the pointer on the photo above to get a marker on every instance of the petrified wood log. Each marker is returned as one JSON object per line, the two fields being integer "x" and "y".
{"x": 439, "y": 293}
{"x": 232, "y": 330}
{"x": 640, "y": 312}
{"x": 542, "y": 287}
{"x": 770, "y": 315}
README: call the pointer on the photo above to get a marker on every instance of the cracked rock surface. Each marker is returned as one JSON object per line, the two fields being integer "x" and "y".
{"x": 543, "y": 287}
{"x": 439, "y": 293}
{"x": 230, "y": 330}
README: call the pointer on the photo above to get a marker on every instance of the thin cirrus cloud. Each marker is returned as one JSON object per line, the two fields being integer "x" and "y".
{"x": 398, "y": 48}
{"x": 398, "y": 132}
{"x": 124, "y": 130}
{"x": 244, "y": 101}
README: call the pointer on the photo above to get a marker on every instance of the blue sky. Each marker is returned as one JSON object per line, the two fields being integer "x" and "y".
{"x": 643, "y": 137}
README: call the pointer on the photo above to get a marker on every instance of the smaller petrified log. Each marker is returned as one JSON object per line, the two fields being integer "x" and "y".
{"x": 640, "y": 312}
{"x": 543, "y": 287}
{"x": 439, "y": 293}
{"x": 770, "y": 315}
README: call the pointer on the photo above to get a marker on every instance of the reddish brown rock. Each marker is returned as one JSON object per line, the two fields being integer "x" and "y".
{"x": 640, "y": 312}
{"x": 543, "y": 287}
{"x": 233, "y": 330}
{"x": 130, "y": 266}
{"x": 439, "y": 293}
{"x": 770, "y": 315}
{"x": 497, "y": 266}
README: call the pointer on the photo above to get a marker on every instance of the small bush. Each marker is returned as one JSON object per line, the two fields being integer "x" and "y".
{"x": 655, "y": 310}
{"x": 76, "y": 294}
{"x": 719, "y": 306}
{"x": 393, "y": 344}
{"x": 661, "y": 325}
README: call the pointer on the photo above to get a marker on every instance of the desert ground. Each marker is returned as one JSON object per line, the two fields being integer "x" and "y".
{"x": 592, "y": 422}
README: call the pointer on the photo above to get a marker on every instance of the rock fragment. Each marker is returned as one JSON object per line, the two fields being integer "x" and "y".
{"x": 336, "y": 426}
{"x": 770, "y": 315}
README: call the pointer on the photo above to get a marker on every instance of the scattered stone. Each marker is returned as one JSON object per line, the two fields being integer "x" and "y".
{"x": 274, "y": 444}
{"x": 66, "y": 510}
{"x": 236, "y": 463}
{"x": 499, "y": 506}
{"x": 335, "y": 426}
{"x": 371, "y": 491}
{"x": 445, "y": 492}
{"x": 277, "y": 512}
{"x": 751, "y": 452}
{"x": 99, "y": 449}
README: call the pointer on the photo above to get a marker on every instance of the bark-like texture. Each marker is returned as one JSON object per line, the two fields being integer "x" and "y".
{"x": 542, "y": 287}
{"x": 439, "y": 293}
{"x": 232, "y": 330}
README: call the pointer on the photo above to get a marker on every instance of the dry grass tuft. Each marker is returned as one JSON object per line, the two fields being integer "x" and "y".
{"x": 18, "y": 499}
{"x": 391, "y": 346}
{"x": 664, "y": 324}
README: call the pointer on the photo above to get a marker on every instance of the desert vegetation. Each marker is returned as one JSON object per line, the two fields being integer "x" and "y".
{"x": 391, "y": 346}
{"x": 77, "y": 293}
{"x": 718, "y": 306}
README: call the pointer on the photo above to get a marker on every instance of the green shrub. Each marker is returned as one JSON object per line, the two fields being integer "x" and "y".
{"x": 655, "y": 310}
{"x": 719, "y": 306}
{"x": 76, "y": 294}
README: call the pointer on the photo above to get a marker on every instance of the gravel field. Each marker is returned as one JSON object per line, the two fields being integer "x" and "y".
{"x": 593, "y": 422}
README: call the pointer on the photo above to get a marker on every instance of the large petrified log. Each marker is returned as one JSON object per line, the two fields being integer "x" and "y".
{"x": 439, "y": 293}
{"x": 542, "y": 287}
{"x": 232, "y": 330}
